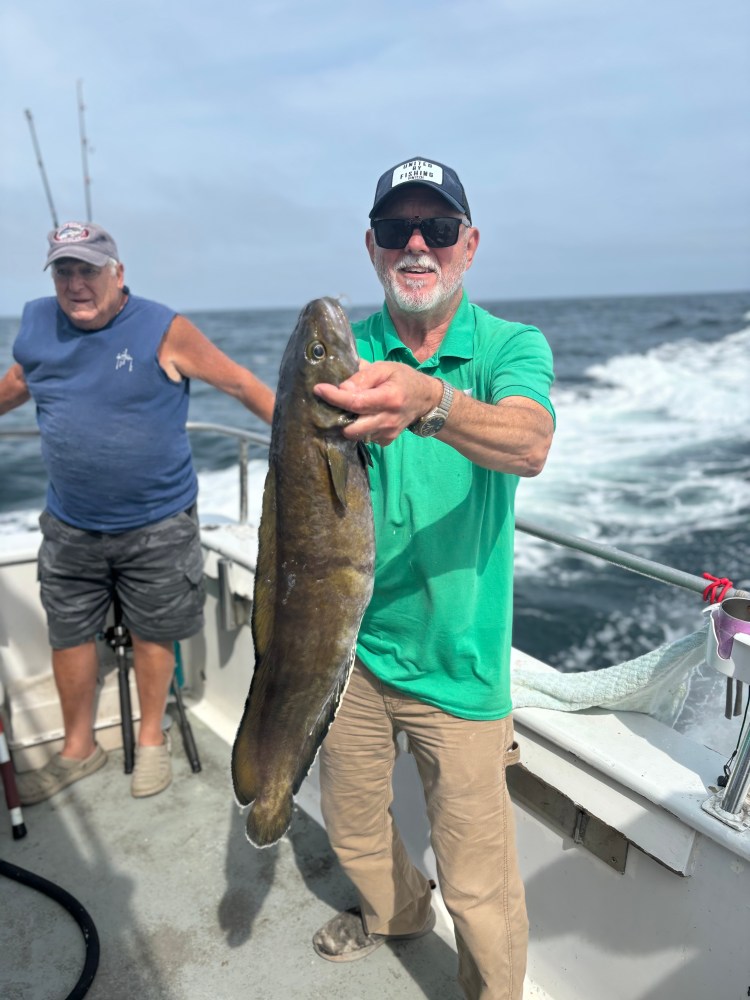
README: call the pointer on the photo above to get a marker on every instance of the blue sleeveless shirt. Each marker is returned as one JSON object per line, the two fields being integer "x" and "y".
{"x": 112, "y": 423}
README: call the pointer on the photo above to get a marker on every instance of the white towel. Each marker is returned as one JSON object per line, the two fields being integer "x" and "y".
{"x": 656, "y": 683}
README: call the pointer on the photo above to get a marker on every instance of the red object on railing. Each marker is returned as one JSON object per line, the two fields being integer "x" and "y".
{"x": 711, "y": 593}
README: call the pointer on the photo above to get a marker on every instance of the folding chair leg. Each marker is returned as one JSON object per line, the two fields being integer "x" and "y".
{"x": 126, "y": 710}
{"x": 191, "y": 750}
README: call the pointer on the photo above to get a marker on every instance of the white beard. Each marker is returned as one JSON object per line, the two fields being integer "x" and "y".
{"x": 415, "y": 298}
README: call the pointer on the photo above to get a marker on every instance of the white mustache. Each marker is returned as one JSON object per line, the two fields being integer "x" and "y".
{"x": 417, "y": 260}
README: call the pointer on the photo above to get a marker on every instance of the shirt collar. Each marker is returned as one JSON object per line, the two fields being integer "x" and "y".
{"x": 458, "y": 341}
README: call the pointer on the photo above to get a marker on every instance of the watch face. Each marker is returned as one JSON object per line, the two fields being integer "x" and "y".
{"x": 431, "y": 425}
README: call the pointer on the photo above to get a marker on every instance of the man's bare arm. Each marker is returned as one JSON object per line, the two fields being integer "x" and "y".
{"x": 13, "y": 389}
{"x": 185, "y": 352}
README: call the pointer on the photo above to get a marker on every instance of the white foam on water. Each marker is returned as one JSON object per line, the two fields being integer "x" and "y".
{"x": 640, "y": 455}
{"x": 19, "y": 522}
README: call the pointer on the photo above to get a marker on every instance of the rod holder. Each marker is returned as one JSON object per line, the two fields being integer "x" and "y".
{"x": 738, "y": 785}
{"x": 227, "y": 610}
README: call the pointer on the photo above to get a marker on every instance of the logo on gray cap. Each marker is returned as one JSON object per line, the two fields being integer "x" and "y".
{"x": 70, "y": 232}
{"x": 82, "y": 241}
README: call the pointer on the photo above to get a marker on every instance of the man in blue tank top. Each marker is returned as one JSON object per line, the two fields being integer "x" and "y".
{"x": 110, "y": 375}
{"x": 455, "y": 405}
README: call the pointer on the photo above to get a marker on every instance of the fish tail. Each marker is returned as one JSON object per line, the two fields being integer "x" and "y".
{"x": 268, "y": 820}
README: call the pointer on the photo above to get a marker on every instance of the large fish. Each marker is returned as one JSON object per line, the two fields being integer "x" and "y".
{"x": 313, "y": 578}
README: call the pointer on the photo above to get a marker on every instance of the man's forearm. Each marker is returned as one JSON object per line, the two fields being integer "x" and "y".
{"x": 13, "y": 389}
{"x": 512, "y": 436}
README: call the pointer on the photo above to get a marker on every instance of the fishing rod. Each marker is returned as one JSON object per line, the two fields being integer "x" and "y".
{"x": 30, "y": 120}
{"x": 84, "y": 152}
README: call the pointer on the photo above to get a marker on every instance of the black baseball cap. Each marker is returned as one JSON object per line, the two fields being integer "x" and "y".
{"x": 426, "y": 173}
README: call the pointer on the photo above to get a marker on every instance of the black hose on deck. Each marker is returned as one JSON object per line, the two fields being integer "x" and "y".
{"x": 75, "y": 909}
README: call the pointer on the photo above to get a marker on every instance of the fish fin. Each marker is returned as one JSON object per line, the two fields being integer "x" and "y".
{"x": 247, "y": 776}
{"x": 364, "y": 454}
{"x": 244, "y": 775}
{"x": 268, "y": 821}
{"x": 323, "y": 723}
{"x": 338, "y": 466}
{"x": 269, "y": 816}
{"x": 264, "y": 591}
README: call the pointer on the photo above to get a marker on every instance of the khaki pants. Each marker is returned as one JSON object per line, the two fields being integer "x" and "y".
{"x": 462, "y": 767}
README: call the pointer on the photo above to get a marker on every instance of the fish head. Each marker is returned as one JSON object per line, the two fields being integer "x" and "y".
{"x": 321, "y": 349}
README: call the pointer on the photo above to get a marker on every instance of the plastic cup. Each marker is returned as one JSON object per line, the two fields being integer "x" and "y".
{"x": 731, "y": 617}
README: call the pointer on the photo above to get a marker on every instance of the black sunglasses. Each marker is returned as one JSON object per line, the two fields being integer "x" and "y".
{"x": 394, "y": 234}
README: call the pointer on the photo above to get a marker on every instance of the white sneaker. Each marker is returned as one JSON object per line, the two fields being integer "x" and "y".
{"x": 153, "y": 769}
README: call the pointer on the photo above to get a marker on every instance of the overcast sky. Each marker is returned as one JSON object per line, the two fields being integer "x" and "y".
{"x": 234, "y": 148}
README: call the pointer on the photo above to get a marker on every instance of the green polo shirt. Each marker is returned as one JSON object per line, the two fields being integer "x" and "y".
{"x": 438, "y": 626}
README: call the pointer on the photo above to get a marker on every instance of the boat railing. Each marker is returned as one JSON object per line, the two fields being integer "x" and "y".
{"x": 245, "y": 439}
{"x": 608, "y": 553}
{"x": 618, "y": 557}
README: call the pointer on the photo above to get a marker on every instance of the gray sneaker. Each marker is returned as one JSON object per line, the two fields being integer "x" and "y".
{"x": 344, "y": 939}
{"x": 57, "y": 773}
{"x": 152, "y": 772}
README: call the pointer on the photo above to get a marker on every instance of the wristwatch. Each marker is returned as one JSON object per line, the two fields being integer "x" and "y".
{"x": 433, "y": 420}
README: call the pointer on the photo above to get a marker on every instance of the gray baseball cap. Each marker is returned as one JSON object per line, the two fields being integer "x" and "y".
{"x": 83, "y": 241}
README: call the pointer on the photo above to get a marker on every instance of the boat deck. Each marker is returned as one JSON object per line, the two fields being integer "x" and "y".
{"x": 185, "y": 908}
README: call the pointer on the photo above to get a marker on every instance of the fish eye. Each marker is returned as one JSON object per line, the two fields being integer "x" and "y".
{"x": 316, "y": 351}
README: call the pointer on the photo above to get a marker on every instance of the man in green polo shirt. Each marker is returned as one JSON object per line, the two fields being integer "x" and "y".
{"x": 455, "y": 404}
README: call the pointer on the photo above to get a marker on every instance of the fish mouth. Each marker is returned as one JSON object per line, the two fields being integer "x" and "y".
{"x": 341, "y": 418}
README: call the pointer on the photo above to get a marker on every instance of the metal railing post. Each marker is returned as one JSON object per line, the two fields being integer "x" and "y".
{"x": 244, "y": 450}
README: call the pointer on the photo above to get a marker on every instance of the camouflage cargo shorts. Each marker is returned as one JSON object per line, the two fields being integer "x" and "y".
{"x": 155, "y": 571}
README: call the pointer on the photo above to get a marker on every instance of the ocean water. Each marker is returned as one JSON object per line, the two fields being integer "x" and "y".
{"x": 651, "y": 455}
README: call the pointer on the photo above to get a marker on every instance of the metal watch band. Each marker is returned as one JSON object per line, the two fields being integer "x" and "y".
{"x": 433, "y": 420}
